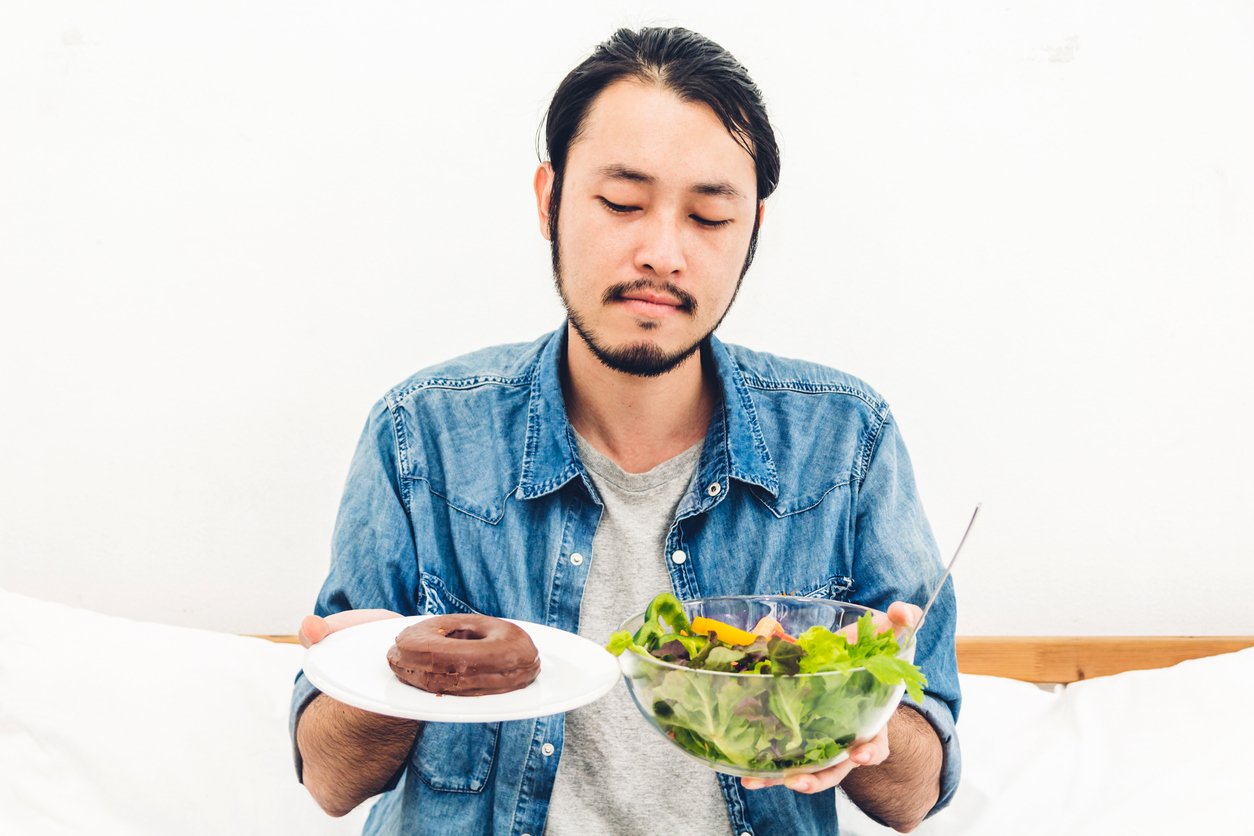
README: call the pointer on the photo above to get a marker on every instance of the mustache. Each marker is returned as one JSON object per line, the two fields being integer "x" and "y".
{"x": 618, "y": 292}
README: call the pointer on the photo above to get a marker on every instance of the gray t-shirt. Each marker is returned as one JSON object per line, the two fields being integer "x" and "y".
{"x": 616, "y": 774}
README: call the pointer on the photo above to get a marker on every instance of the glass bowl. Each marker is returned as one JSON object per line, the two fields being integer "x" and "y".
{"x": 761, "y": 725}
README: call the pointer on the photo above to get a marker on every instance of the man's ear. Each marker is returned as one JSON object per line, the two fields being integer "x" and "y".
{"x": 544, "y": 194}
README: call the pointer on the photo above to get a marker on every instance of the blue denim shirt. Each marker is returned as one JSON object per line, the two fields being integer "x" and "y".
{"x": 466, "y": 494}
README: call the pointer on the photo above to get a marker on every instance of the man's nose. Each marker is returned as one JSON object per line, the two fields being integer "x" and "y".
{"x": 661, "y": 247}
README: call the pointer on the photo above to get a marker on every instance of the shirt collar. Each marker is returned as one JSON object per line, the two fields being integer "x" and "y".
{"x": 734, "y": 446}
{"x": 748, "y": 457}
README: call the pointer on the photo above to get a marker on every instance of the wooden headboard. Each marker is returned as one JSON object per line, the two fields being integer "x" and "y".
{"x": 1072, "y": 658}
{"x": 1068, "y": 658}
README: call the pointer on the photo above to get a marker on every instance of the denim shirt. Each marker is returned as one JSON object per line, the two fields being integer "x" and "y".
{"x": 466, "y": 494}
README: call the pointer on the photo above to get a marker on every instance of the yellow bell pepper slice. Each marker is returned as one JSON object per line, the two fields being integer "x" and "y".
{"x": 723, "y": 632}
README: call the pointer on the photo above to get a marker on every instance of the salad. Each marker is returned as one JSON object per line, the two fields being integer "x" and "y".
{"x": 771, "y": 717}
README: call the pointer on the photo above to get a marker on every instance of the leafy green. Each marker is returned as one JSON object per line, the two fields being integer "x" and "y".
{"x": 757, "y": 723}
{"x": 828, "y": 651}
{"x": 784, "y": 657}
{"x": 824, "y": 651}
{"x": 891, "y": 670}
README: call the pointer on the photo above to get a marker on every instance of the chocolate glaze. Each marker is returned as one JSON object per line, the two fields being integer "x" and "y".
{"x": 465, "y": 655}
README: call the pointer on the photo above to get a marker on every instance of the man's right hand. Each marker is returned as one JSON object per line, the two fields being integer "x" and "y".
{"x": 315, "y": 628}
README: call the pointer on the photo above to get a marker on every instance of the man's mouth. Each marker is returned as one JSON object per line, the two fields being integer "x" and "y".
{"x": 645, "y": 299}
{"x": 653, "y": 299}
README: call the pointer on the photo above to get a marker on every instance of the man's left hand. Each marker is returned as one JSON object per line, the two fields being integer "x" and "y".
{"x": 901, "y": 617}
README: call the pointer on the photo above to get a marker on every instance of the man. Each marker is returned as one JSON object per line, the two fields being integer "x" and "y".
{"x": 568, "y": 480}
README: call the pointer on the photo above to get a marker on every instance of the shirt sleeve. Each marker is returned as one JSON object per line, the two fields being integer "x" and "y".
{"x": 373, "y": 556}
{"x": 896, "y": 559}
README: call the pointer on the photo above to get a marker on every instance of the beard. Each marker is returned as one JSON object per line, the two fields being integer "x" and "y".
{"x": 642, "y": 358}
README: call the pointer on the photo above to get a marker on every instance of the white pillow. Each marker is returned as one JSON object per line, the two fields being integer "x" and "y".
{"x": 1000, "y": 722}
{"x": 109, "y": 725}
{"x": 1165, "y": 751}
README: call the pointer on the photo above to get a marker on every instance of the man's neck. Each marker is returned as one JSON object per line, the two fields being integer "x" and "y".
{"x": 638, "y": 422}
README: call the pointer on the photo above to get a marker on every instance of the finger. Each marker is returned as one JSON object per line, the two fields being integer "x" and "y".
{"x": 902, "y": 617}
{"x": 899, "y": 617}
{"x": 759, "y": 783}
{"x": 822, "y": 780}
{"x": 871, "y": 753}
{"x": 313, "y": 629}
{"x": 809, "y": 783}
{"x": 867, "y": 754}
{"x": 351, "y": 618}
{"x": 902, "y": 614}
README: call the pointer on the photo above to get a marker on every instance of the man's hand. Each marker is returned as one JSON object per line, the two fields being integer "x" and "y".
{"x": 901, "y": 617}
{"x": 315, "y": 628}
{"x": 348, "y": 754}
{"x": 870, "y": 753}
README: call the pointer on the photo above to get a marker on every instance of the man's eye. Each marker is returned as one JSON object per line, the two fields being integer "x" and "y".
{"x": 616, "y": 208}
{"x": 709, "y": 223}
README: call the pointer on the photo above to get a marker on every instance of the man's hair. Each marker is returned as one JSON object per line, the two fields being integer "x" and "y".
{"x": 688, "y": 64}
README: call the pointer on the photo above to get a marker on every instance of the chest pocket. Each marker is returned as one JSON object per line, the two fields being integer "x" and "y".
{"x": 456, "y": 757}
{"x": 453, "y": 757}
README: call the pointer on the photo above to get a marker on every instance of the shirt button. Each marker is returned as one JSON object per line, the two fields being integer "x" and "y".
{"x": 744, "y": 833}
{"x": 714, "y": 488}
{"x": 547, "y": 749}
{"x": 678, "y": 557}
{"x": 576, "y": 559}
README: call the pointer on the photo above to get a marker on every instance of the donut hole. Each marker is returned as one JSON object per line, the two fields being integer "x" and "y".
{"x": 465, "y": 634}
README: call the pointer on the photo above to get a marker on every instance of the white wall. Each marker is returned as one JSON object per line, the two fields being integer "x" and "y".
{"x": 226, "y": 228}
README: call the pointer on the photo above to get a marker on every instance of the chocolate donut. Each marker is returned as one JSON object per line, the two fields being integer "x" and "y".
{"x": 465, "y": 655}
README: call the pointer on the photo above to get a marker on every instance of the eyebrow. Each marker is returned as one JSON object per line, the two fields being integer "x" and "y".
{"x": 622, "y": 172}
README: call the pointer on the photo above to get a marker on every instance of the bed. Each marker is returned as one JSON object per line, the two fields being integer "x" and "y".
{"x": 110, "y": 725}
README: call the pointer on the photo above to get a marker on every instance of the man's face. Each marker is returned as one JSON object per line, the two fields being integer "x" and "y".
{"x": 657, "y": 210}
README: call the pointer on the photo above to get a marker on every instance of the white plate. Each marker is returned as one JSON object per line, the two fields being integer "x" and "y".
{"x": 351, "y": 666}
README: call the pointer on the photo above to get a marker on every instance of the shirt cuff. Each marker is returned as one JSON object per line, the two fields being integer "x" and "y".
{"x": 939, "y": 716}
{"x": 303, "y": 693}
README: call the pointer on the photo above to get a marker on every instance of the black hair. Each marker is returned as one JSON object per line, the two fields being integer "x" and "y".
{"x": 690, "y": 65}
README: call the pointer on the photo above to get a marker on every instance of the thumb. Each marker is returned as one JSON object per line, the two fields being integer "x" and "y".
{"x": 903, "y": 617}
{"x": 313, "y": 629}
